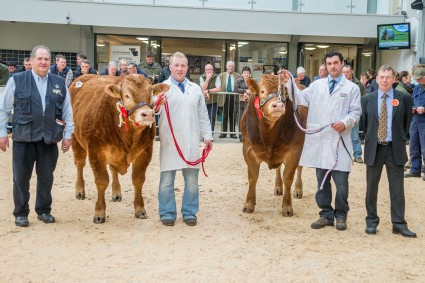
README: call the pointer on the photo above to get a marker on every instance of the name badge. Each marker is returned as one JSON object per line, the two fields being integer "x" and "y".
{"x": 343, "y": 95}
{"x": 58, "y": 92}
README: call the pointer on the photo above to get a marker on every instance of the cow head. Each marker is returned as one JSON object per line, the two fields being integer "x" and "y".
{"x": 266, "y": 98}
{"x": 136, "y": 94}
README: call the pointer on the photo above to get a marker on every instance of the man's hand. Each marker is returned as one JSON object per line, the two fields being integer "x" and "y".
{"x": 206, "y": 94}
{"x": 66, "y": 144}
{"x": 209, "y": 144}
{"x": 4, "y": 143}
{"x": 284, "y": 75}
{"x": 339, "y": 127}
{"x": 209, "y": 75}
{"x": 420, "y": 110}
{"x": 162, "y": 98}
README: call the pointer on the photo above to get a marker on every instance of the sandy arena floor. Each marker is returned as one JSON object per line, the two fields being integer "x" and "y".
{"x": 226, "y": 245}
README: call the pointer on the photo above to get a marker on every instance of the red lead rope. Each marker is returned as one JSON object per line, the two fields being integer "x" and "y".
{"x": 205, "y": 151}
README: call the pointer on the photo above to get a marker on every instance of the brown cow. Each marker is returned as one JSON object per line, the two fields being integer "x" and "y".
{"x": 96, "y": 116}
{"x": 273, "y": 138}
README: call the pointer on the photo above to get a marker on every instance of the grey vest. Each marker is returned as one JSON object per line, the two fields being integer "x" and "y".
{"x": 30, "y": 124}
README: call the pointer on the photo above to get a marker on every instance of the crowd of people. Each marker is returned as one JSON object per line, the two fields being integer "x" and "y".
{"x": 380, "y": 104}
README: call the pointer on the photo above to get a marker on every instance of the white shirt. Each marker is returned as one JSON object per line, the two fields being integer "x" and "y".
{"x": 189, "y": 118}
{"x": 323, "y": 108}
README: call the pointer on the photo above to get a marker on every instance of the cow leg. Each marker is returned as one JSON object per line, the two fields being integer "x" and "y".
{"x": 80, "y": 155}
{"x": 139, "y": 175}
{"x": 116, "y": 186}
{"x": 253, "y": 172}
{"x": 298, "y": 191}
{"x": 101, "y": 178}
{"x": 288, "y": 178}
{"x": 278, "y": 184}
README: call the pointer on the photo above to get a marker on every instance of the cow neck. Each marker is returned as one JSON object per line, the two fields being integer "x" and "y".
{"x": 269, "y": 131}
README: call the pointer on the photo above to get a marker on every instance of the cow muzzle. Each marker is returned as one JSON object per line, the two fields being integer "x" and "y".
{"x": 144, "y": 117}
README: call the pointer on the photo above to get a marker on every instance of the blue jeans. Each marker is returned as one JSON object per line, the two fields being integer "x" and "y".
{"x": 355, "y": 139}
{"x": 212, "y": 113}
{"x": 324, "y": 196}
{"x": 416, "y": 146}
{"x": 167, "y": 200}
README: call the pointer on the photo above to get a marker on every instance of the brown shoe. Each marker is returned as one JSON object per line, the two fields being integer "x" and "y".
{"x": 341, "y": 224}
{"x": 322, "y": 222}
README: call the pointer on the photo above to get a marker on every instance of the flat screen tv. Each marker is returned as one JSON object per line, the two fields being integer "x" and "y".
{"x": 394, "y": 36}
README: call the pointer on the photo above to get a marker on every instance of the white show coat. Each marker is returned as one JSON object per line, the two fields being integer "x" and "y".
{"x": 323, "y": 108}
{"x": 189, "y": 119}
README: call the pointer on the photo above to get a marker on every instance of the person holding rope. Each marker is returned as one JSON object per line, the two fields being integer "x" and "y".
{"x": 385, "y": 121}
{"x": 334, "y": 107}
{"x": 188, "y": 121}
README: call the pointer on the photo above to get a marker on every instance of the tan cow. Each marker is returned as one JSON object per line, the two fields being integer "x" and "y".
{"x": 271, "y": 135}
{"x": 97, "y": 134}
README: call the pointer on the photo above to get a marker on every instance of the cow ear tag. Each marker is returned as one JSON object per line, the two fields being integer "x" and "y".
{"x": 257, "y": 106}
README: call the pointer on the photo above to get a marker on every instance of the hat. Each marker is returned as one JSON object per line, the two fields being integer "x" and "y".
{"x": 300, "y": 70}
{"x": 150, "y": 54}
{"x": 420, "y": 72}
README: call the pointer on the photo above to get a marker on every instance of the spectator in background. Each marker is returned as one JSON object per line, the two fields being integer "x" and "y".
{"x": 85, "y": 67}
{"x": 210, "y": 83}
{"x": 80, "y": 58}
{"x": 228, "y": 80}
{"x": 132, "y": 69}
{"x": 347, "y": 70}
{"x": 323, "y": 73}
{"x": 242, "y": 88}
{"x": 123, "y": 66}
{"x": 371, "y": 84}
{"x": 4, "y": 74}
{"x": 11, "y": 66}
{"x": 364, "y": 78}
{"x": 62, "y": 70}
{"x": 26, "y": 65}
{"x": 150, "y": 67}
{"x": 417, "y": 126}
{"x": 404, "y": 80}
{"x": 111, "y": 70}
{"x": 304, "y": 80}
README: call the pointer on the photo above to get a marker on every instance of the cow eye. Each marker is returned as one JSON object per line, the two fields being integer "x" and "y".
{"x": 126, "y": 96}
{"x": 262, "y": 91}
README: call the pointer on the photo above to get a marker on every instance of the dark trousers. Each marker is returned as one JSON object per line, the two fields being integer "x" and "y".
{"x": 324, "y": 196}
{"x": 45, "y": 157}
{"x": 229, "y": 113}
{"x": 212, "y": 113}
{"x": 384, "y": 155}
{"x": 417, "y": 146}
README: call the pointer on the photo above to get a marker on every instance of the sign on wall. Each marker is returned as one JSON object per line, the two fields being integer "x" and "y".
{"x": 131, "y": 53}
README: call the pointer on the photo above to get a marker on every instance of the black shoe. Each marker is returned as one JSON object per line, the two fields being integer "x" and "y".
{"x": 168, "y": 222}
{"x": 322, "y": 222}
{"x": 404, "y": 232}
{"x": 411, "y": 174}
{"x": 341, "y": 224}
{"x": 222, "y": 136}
{"x": 46, "y": 218}
{"x": 22, "y": 221}
{"x": 233, "y": 136}
{"x": 190, "y": 222}
{"x": 371, "y": 230}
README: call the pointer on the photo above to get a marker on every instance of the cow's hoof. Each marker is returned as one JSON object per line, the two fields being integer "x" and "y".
{"x": 248, "y": 210}
{"x": 141, "y": 215}
{"x": 287, "y": 212}
{"x": 116, "y": 198}
{"x": 99, "y": 219}
{"x": 298, "y": 195}
{"x": 80, "y": 196}
{"x": 278, "y": 191}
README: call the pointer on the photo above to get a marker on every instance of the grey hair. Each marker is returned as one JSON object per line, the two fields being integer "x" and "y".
{"x": 385, "y": 68}
{"x": 230, "y": 62}
{"x": 35, "y": 49}
{"x": 112, "y": 63}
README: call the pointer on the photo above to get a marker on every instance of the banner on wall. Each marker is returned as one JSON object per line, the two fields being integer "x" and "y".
{"x": 131, "y": 53}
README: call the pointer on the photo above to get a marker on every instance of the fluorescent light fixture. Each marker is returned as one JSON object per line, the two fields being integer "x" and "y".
{"x": 283, "y": 52}
{"x": 142, "y": 38}
{"x": 310, "y": 48}
{"x": 242, "y": 43}
{"x": 322, "y": 46}
{"x": 100, "y": 44}
{"x": 367, "y": 53}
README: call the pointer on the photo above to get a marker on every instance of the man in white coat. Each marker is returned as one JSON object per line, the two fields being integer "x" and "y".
{"x": 189, "y": 119}
{"x": 333, "y": 100}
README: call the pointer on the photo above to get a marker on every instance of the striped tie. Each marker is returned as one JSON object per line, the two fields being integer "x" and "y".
{"x": 382, "y": 129}
{"x": 181, "y": 87}
{"x": 332, "y": 86}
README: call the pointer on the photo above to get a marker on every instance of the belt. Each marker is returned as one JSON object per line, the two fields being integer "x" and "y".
{"x": 385, "y": 143}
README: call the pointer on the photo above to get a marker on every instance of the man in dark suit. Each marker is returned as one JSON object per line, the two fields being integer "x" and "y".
{"x": 391, "y": 111}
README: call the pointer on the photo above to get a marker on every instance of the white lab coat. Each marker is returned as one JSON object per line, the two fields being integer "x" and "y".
{"x": 323, "y": 108}
{"x": 189, "y": 118}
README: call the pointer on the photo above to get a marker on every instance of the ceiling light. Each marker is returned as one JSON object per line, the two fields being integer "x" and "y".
{"x": 283, "y": 52}
{"x": 310, "y": 48}
{"x": 322, "y": 46}
{"x": 100, "y": 44}
{"x": 142, "y": 38}
{"x": 242, "y": 43}
{"x": 367, "y": 53}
